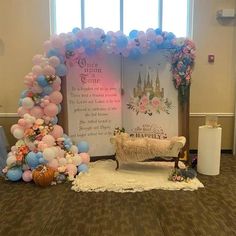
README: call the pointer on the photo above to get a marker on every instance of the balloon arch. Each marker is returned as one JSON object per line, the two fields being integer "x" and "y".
{"x": 41, "y": 141}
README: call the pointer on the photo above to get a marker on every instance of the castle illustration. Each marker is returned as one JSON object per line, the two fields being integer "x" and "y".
{"x": 148, "y": 88}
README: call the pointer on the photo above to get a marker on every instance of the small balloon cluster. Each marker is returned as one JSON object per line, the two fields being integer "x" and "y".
{"x": 41, "y": 141}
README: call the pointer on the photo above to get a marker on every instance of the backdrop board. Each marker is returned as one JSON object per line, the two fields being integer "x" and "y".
{"x": 150, "y": 101}
{"x": 94, "y": 100}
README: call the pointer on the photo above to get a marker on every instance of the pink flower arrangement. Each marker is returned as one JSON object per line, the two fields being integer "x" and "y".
{"x": 182, "y": 65}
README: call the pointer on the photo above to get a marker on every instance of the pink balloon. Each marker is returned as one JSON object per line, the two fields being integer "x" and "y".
{"x": 85, "y": 157}
{"x": 57, "y": 42}
{"x": 21, "y": 122}
{"x": 49, "y": 140}
{"x": 37, "y": 59}
{"x": 57, "y": 131}
{"x": 35, "y": 88}
{"x": 51, "y": 110}
{"x": 37, "y": 112}
{"x": 53, "y": 163}
{"x": 27, "y": 176}
{"x": 42, "y": 146}
{"x": 21, "y": 111}
{"x": 37, "y": 70}
{"x": 56, "y": 87}
{"x": 49, "y": 70}
{"x": 56, "y": 97}
{"x": 47, "y": 45}
{"x": 71, "y": 169}
{"x": 61, "y": 152}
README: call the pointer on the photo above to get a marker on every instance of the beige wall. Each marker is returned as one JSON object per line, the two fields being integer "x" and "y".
{"x": 213, "y": 85}
{"x": 24, "y": 26}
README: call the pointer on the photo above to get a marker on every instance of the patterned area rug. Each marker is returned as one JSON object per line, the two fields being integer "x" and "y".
{"x": 132, "y": 177}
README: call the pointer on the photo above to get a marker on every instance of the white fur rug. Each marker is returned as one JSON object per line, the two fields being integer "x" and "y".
{"x": 132, "y": 177}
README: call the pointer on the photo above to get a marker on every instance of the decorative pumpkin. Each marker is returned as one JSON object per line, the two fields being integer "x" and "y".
{"x": 43, "y": 175}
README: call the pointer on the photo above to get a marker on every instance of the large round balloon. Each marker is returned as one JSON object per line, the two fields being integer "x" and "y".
{"x": 14, "y": 174}
{"x": 83, "y": 168}
{"x": 83, "y": 146}
{"x": 27, "y": 176}
{"x": 32, "y": 160}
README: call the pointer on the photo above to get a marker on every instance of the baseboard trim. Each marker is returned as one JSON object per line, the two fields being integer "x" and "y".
{"x": 203, "y": 114}
{"x": 223, "y": 151}
{"x": 9, "y": 115}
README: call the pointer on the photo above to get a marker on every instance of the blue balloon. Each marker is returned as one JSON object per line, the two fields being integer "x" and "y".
{"x": 14, "y": 174}
{"x": 83, "y": 146}
{"x": 70, "y": 47}
{"x": 61, "y": 70}
{"x": 153, "y": 46}
{"x": 108, "y": 38}
{"x": 90, "y": 51}
{"x": 54, "y": 120}
{"x": 67, "y": 143}
{"x": 134, "y": 53}
{"x": 53, "y": 52}
{"x": 82, "y": 168}
{"x": 42, "y": 81}
{"x": 133, "y": 34}
{"x": 98, "y": 43}
{"x": 170, "y": 36}
{"x": 39, "y": 155}
{"x": 158, "y": 31}
{"x": 75, "y": 30}
{"x": 42, "y": 160}
{"x": 47, "y": 90}
{"x": 78, "y": 43}
{"x": 85, "y": 43}
{"x": 62, "y": 59}
{"x": 32, "y": 160}
{"x": 121, "y": 42}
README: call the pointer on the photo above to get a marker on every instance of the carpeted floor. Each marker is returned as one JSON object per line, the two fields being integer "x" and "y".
{"x": 29, "y": 210}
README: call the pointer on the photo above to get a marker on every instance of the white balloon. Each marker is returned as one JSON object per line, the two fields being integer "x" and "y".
{"x": 49, "y": 154}
{"x": 74, "y": 149}
{"x": 18, "y": 133}
{"x": 27, "y": 102}
{"x": 54, "y": 61}
{"x": 11, "y": 160}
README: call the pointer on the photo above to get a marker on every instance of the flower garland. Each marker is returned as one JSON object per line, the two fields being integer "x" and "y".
{"x": 182, "y": 66}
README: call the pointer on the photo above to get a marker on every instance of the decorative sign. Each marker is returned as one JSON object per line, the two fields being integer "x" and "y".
{"x": 94, "y": 100}
{"x": 149, "y": 106}
{"x": 150, "y": 102}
